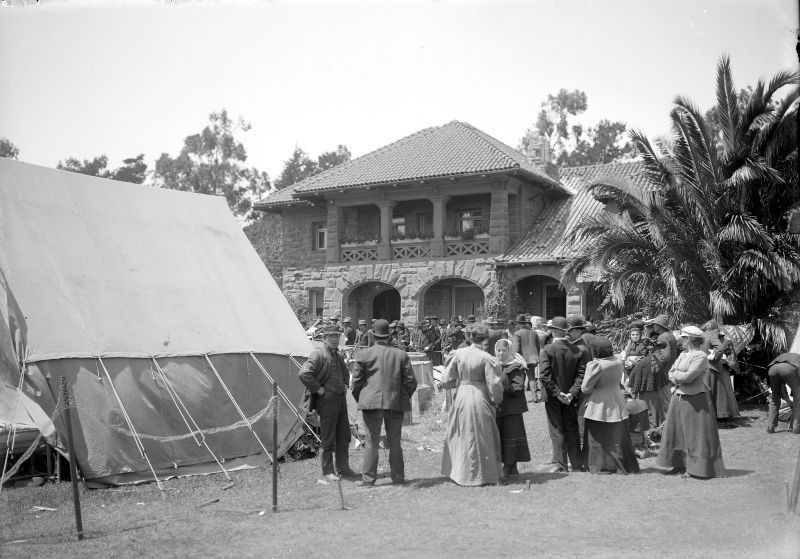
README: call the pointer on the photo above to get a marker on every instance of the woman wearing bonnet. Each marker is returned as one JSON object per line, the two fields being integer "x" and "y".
{"x": 513, "y": 439}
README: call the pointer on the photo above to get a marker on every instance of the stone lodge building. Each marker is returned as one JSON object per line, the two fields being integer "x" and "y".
{"x": 435, "y": 223}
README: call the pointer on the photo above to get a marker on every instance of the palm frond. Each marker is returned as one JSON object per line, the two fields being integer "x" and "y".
{"x": 745, "y": 229}
{"x": 726, "y": 103}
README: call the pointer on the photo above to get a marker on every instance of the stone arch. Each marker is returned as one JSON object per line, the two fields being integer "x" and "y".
{"x": 538, "y": 295}
{"x": 368, "y": 299}
{"x": 450, "y": 295}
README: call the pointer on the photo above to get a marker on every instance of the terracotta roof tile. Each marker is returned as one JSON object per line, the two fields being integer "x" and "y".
{"x": 454, "y": 149}
{"x": 544, "y": 241}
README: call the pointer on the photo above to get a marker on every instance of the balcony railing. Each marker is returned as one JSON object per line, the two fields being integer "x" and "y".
{"x": 403, "y": 251}
{"x": 467, "y": 248}
{"x": 360, "y": 253}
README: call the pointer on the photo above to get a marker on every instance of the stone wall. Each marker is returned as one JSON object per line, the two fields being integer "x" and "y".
{"x": 411, "y": 279}
{"x": 297, "y": 233}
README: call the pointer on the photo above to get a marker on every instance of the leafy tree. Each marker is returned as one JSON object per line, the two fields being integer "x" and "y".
{"x": 295, "y": 169}
{"x": 697, "y": 240}
{"x": 265, "y": 233}
{"x": 331, "y": 159}
{"x": 212, "y": 162}
{"x": 133, "y": 169}
{"x": 569, "y": 143}
{"x": 8, "y": 149}
{"x": 96, "y": 167}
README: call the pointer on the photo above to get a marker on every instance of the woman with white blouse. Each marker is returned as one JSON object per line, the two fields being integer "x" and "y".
{"x": 690, "y": 441}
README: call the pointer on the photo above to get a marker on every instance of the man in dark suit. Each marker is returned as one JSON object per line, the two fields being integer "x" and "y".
{"x": 326, "y": 377}
{"x": 561, "y": 368}
{"x": 349, "y": 332}
{"x": 383, "y": 382}
{"x": 526, "y": 343}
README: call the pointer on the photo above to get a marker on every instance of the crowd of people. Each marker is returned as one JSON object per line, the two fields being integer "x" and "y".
{"x": 605, "y": 410}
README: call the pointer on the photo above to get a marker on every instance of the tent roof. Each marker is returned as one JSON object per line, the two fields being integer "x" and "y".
{"x": 100, "y": 267}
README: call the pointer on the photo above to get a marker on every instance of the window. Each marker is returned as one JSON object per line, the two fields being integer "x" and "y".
{"x": 470, "y": 220}
{"x": 316, "y": 300}
{"x": 398, "y": 227}
{"x": 425, "y": 225}
{"x": 319, "y": 236}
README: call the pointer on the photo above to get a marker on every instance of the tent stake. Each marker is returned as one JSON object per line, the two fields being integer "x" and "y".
{"x": 175, "y": 400}
{"x": 236, "y": 405}
{"x": 283, "y": 394}
{"x": 73, "y": 468}
{"x": 274, "y": 446}
{"x": 136, "y": 439}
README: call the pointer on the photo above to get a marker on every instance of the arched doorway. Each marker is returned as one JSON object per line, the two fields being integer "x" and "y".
{"x": 451, "y": 297}
{"x": 539, "y": 296}
{"x": 373, "y": 299}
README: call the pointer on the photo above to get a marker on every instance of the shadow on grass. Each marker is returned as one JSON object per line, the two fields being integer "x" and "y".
{"x": 737, "y": 473}
{"x": 536, "y": 478}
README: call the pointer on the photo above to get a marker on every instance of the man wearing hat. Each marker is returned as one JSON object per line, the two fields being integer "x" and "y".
{"x": 401, "y": 339}
{"x": 495, "y": 333}
{"x": 453, "y": 336}
{"x": 561, "y": 368}
{"x": 433, "y": 340}
{"x": 326, "y": 377}
{"x": 362, "y": 335}
{"x": 526, "y": 343}
{"x": 349, "y": 332}
{"x": 471, "y": 320}
{"x": 665, "y": 353}
{"x": 383, "y": 382}
{"x": 577, "y": 334}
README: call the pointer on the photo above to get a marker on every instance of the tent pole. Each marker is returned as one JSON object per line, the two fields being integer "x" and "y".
{"x": 236, "y": 405}
{"x": 284, "y": 396}
{"x": 136, "y": 438}
{"x": 173, "y": 394}
{"x": 12, "y": 434}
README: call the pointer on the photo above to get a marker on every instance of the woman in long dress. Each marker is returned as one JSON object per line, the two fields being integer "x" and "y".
{"x": 472, "y": 442}
{"x": 513, "y": 439}
{"x": 722, "y": 395}
{"x": 607, "y": 444}
{"x": 690, "y": 442}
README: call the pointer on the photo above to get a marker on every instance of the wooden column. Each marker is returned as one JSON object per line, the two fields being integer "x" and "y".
{"x": 385, "y": 246}
{"x": 439, "y": 218}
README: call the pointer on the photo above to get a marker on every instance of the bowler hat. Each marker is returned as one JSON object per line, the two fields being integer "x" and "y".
{"x": 558, "y": 322}
{"x": 471, "y": 318}
{"x": 330, "y": 329}
{"x": 362, "y": 322}
{"x": 381, "y": 329}
{"x": 576, "y": 321}
{"x": 661, "y": 320}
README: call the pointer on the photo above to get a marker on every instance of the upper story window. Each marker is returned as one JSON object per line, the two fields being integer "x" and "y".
{"x": 470, "y": 220}
{"x": 316, "y": 301}
{"x": 425, "y": 225}
{"x": 398, "y": 227}
{"x": 319, "y": 235}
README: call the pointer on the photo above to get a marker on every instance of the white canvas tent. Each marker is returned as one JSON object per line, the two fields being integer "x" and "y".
{"x": 159, "y": 313}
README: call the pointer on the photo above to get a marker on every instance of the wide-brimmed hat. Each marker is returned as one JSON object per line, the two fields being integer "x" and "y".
{"x": 637, "y": 325}
{"x": 661, "y": 320}
{"x": 559, "y": 323}
{"x": 691, "y": 332}
{"x": 362, "y": 322}
{"x": 381, "y": 328}
{"x": 434, "y": 317}
{"x": 491, "y": 320}
{"x": 346, "y": 320}
{"x": 576, "y": 321}
{"x": 472, "y": 318}
{"x": 335, "y": 317}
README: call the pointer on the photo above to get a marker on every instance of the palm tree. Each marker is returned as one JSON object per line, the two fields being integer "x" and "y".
{"x": 707, "y": 234}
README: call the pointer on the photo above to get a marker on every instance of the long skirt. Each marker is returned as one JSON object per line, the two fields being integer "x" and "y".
{"x": 690, "y": 439}
{"x": 655, "y": 406}
{"x": 607, "y": 448}
{"x": 472, "y": 443}
{"x": 513, "y": 439}
{"x": 726, "y": 405}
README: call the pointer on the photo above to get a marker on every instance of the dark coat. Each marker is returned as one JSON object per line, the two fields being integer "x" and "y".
{"x": 323, "y": 368}
{"x": 561, "y": 368}
{"x": 526, "y": 343}
{"x": 494, "y": 335}
{"x": 350, "y": 335}
{"x": 383, "y": 378}
{"x": 513, "y": 390}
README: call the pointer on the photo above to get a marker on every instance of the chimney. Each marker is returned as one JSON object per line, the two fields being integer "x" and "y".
{"x": 538, "y": 153}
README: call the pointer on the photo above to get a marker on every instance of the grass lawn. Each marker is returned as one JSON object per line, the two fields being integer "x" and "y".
{"x": 561, "y": 515}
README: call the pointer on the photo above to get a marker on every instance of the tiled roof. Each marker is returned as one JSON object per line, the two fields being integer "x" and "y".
{"x": 544, "y": 242}
{"x": 279, "y": 197}
{"x": 454, "y": 149}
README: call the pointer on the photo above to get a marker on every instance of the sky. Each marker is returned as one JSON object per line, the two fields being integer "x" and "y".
{"x": 81, "y": 78}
